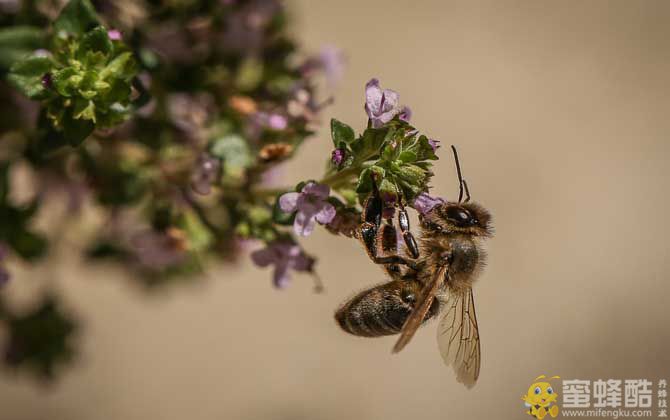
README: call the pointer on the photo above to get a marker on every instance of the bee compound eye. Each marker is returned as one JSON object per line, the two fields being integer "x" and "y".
{"x": 459, "y": 215}
{"x": 537, "y": 390}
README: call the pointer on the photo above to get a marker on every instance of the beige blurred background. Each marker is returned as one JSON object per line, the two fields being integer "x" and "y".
{"x": 560, "y": 110}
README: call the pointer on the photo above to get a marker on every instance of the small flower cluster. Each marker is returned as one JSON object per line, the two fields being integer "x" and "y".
{"x": 83, "y": 82}
{"x": 390, "y": 155}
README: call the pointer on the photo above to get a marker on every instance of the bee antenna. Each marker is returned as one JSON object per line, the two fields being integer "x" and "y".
{"x": 462, "y": 185}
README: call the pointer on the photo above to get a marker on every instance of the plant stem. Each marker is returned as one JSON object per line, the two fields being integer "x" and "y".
{"x": 200, "y": 212}
{"x": 333, "y": 180}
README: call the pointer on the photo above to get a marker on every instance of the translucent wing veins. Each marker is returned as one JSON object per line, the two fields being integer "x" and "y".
{"x": 458, "y": 337}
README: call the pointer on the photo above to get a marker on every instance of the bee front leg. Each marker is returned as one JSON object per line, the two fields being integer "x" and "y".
{"x": 373, "y": 234}
{"x": 368, "y": 233}
{"x": 410, "y": 242}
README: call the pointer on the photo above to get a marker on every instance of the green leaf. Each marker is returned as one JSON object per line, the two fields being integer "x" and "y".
{"x": 407, "y": 157}
{"x": 28, "y": 245}
{"x": 349, "y": 196}
{"x": 249, "y": 74}
{"x": 84, "y": 110}
{"x": 387, "y": 188}
{"x": 235, "y": 153}
{"x": 65, "y": 81}
{"x": 26, "y": 76}
{"x": 75, "y": 131}
{"x": 423, "y": 149}
{"x": 95, "y": 41}
{"x": 341, "y": 132}
{"x": 18, "y": 41}
{"x": 413, "y": 174}
{"x": 121, "y": 67}
{"x": 368, "y": 146}
{"x": 365, "y": 180}
{"x": 199, "y": 236}
{"x": 77, "y": 17}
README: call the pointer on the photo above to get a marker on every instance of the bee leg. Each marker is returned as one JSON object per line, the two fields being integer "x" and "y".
{"x": 369, "y": 233}
{"x": 410, "y": 242}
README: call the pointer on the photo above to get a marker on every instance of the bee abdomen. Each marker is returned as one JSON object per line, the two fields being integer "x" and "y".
{"x": 368, "y": 324}
{"x": 375, "y": 312}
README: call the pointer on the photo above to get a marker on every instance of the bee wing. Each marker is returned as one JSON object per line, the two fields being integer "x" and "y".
{"x": 415, "y": 319}
{"x": 458, "y": 337}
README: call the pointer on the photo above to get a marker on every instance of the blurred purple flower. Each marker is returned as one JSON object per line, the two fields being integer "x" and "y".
{"x": 303, "y": 105}
{"x": 424, "y": 203}
{"x": 333, "y": 62}
{"x": 245, "y": 28}
{"x": 285, "y": 256}
{"x": 114, "y": 34}
{"x": 170, "y": 41}
{"x": 157, "y": 250}
{"x": 381, "y": 105}
{"x": 10, "y": 6}
{"x": 330, "y": 60}
{"x": 205, "y": 173}
{"x": 435, "y": 144}
{"x": 337, "y": 157}
{"x": 311, "y": 204}
{"x": 267, "y": 120}
{"x": 190, "y": 113}
{"x": 405, "y": 114}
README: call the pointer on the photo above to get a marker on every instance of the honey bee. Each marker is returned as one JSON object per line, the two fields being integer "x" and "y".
{"x": 435, "y": 276}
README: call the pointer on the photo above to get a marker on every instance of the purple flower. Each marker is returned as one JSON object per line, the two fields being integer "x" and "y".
{"x": 47, "y": 81}
{"x": 337, "y": 157}
{"x": 424, "y": 203}
{"x": 285, "y": 256}
{"x": 330, "y": 60}
{"x": 272, "y": 121}
{"x": 205, "y": 174}
{"x": 311, "y": 204}
{"x": 381, "y": 105}
{"x": 303, "y": 105}
{"x": 435, "y": 144}
{"x": 405, "y": 114}
{"x": 114, "y": 34}
{"x": 277, "y": 122}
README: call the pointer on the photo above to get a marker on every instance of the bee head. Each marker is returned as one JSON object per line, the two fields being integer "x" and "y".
{"x": 460, "y": 217}
{"x": 469, "y": 218}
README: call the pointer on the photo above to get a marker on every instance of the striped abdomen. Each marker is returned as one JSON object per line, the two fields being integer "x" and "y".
{"x": 381, "y": 310}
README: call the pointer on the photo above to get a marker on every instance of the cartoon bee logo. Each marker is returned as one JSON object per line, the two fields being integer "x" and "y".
{"x": 541, "y": 399}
